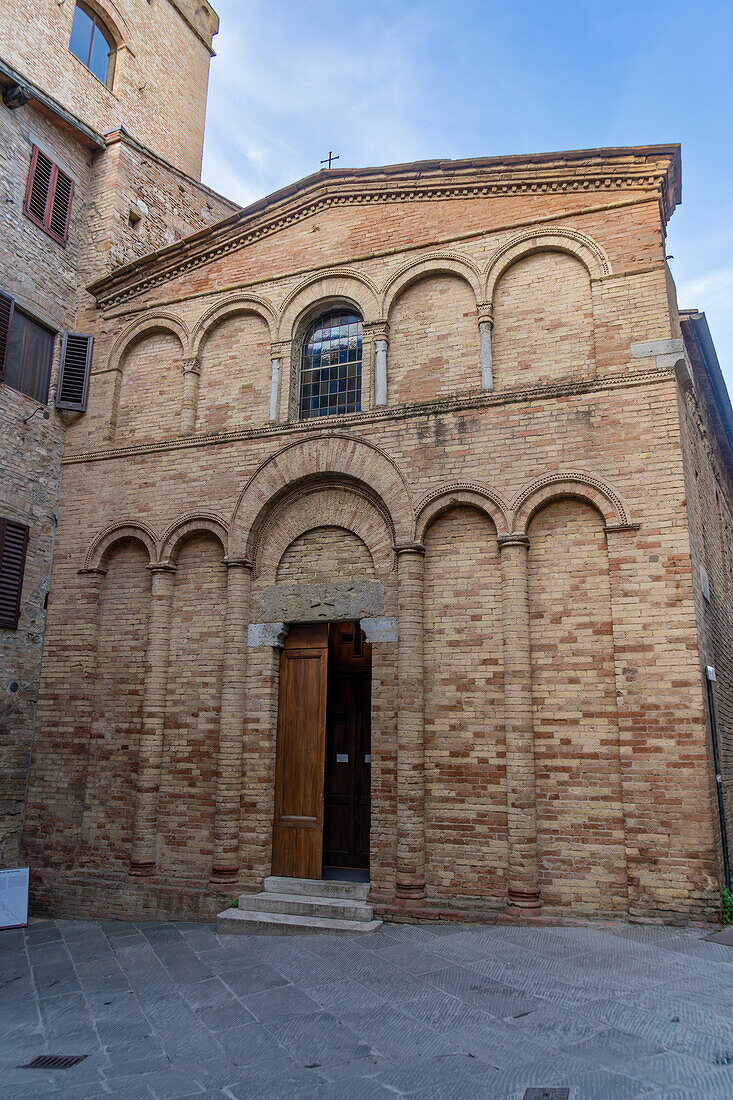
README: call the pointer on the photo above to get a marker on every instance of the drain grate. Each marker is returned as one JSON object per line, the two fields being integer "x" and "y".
{"x": 547, "y": 1094}
{"x": 54, "y": 1061}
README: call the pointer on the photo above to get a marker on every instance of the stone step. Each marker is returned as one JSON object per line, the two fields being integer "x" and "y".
{"x": 241, "y": 922}
{"x": 306, "y": 905}
{"x": 326, "y": 888}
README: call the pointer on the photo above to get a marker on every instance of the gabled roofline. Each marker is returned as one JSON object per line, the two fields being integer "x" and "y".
{"x": 653, "y": 168}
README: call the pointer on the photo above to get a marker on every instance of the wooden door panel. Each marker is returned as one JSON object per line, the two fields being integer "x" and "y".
{"x": 297, "y": 839}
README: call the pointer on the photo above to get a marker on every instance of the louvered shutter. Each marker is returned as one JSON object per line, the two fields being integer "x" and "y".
{"x": 76, "y": 359}
{"x": 6, "y": 319}
{"x": 13, "y": 547}
{"x": 60, "y": 212}
{"x": 48, "y": 196}
{"x": 39, "y": 187}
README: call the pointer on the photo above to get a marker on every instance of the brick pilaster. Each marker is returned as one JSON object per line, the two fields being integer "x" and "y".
{"x": 523, "y": 886}
{"x": 231, "y": 723}
{"x": 189, "y": 404}
{"x": 410, "y": 880}
{"x": 153, "y": 719}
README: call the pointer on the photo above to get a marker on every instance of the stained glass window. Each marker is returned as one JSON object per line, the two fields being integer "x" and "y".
{"x": 330, "y": 377}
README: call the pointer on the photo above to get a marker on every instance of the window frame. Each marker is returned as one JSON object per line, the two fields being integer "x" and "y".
{"x": 11, "y": 623}
{"x": 97, "y": 22}
{"x": 15, "y": 310}
{"x": 44, "y": 223}
{"x": 317, "y": 319}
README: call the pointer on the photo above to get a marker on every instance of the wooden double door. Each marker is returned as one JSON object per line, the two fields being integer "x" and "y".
{"x": 323, "y": 764}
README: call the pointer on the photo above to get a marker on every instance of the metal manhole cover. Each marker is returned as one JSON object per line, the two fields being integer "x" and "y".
{"x": 54, "y": 1061}
{"x": 547, "y": 1094}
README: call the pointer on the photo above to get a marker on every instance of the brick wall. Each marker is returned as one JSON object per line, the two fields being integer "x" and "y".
{"x": 235, "y": 375}
{"x": 161, "y": 72}
{"x": 625, "y": 822}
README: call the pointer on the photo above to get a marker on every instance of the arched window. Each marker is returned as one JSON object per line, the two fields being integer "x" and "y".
{"x": 330, "y": 373}
{"x": 93, "y": 44}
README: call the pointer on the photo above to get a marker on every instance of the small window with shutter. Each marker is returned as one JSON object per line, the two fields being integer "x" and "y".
{"x": 13, "y": 547}
{"x": 48, "y": 196}
{"x": 7, "y": 306}
{"x": 76, "y": 359}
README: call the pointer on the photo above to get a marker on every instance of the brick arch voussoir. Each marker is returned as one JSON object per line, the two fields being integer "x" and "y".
{"x": 185, "y": 528}
{"x": 571, "y": 241}
{"x": 576, "y": 486}
{"x": 148, "y": 326}
{"x": 233, "y": 306}
{"x": 332, "y": 457}
{"x": 437, "y": 263}
{"x": 346, "y": 285}
{"x": 318, "y": 504}
{"x": 462, "y": 495}
{"x": 122, "y": 531}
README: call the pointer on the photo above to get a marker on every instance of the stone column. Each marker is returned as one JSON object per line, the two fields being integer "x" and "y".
{"x": 275, "y": 387}
{"x": 380, "y": 384}
{"x": 151, "y": 734}
{"x": 189, "y": 405}
{"x": 410, "y": 883}
{"x": 485, "y": 325}
{"x": 231, "y": 721}
{"x": 523, "y": 886}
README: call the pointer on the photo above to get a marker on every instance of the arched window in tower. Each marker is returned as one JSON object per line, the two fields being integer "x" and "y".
{"x": 330, "y": 374}
{"x": 93, "y": 44}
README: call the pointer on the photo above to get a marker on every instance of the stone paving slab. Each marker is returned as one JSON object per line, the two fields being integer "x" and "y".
{"x": 172, "y": 1011}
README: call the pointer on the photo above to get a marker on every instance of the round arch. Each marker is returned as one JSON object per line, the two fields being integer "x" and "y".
{"x": 187, "y": 526}
{"x": 347, "y": 286}
{"x": 231, "y": 307}
{"x": 437, "y": 263}
{"x": 581, "y": 486}
{"x": 323, "y": 504}
{"x": 332, "y": 457}
{"x": 144, "y": 326}
{"x": 119, "y": 532}
{"x": 461, "y": 495}
{"x": 570, "y": 241}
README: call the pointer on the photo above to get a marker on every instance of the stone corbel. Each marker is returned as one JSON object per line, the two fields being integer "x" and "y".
{"x": 261, "y": 635}
{"x": 485, "y": 325}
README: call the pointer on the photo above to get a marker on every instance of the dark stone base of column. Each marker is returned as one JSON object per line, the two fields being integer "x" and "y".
{"x": 410, "y": 890}
{"x": 223, "y": 874}
{"x": 143, "y": 870}
{"x": 523, "y": 903}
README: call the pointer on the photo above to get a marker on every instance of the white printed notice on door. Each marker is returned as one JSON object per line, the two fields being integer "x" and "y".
{"x": 13, "y": 897}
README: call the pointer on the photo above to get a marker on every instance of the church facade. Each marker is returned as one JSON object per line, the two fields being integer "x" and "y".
{"x": 390, "y": 541}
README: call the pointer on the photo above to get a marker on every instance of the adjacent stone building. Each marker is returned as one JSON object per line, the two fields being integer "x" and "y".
{"x": 396, "y": 539}
{"x": 100, "y": 155}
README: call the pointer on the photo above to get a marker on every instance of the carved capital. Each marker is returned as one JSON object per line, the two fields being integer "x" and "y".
{"x": 376, "y": 330}
{"x": 238, "y": 563}
{"x": 486, "y": 314}
{"x": 516, "y": 539}
{"x": 192, "y": 365}
{"x": 410, "y": 548}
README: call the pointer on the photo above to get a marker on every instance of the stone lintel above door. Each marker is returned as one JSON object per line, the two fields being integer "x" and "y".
{"x": 332, "y": 601}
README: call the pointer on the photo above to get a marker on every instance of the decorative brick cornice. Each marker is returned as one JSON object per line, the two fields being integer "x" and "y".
{"x": 654, "y": 169}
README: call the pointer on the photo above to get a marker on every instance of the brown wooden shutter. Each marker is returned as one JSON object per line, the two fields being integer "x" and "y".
{"x": 39, "y": 187}
{"x": 6, "y": 319}
{"x": 13, "y": 547}
{"x": 60, "y": 207}
{"x": 76, "y": 361}
{"x": 48, "y": 196}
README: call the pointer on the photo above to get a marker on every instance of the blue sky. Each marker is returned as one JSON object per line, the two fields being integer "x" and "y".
{"x": 385, "y": 82}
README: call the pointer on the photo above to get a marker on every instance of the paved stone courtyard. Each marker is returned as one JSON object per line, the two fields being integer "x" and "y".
{"x": 168, "y": 1011}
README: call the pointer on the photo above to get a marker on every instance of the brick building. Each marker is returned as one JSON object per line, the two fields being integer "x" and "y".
{"x": 100, "y": 156}
{"x": 395, "y": 539}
